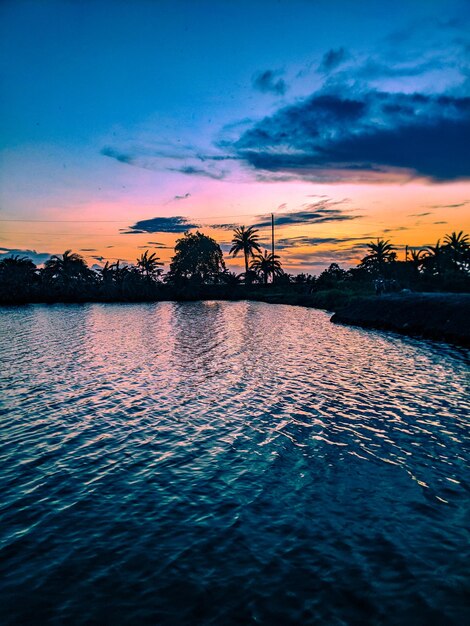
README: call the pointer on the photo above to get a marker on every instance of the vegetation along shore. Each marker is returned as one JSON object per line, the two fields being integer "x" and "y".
{"x": 427, "y": 294}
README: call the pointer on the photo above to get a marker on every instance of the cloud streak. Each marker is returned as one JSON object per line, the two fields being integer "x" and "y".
{"x": 180, "y": 159}
{"x": 314, "y": 213}
{"x": 449, "y": 206}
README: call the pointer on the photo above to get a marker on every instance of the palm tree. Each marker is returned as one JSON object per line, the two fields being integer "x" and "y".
{"x": 417, "y": 259}
{"x": 120, "y": 272}
{"x": 17, "y": 276}
{"x": 245, "y": 240}
{"x": 265, "y": 265}
{"x": 149, "y": 266}
{"x": 457, "y": 245}
{"x": 380, "y": 253}
{"x": 231, "y": 279}
{"x": 434, "y": 258}
{"x": 107, "y": 272}
{"x": 113, "y": 275}
{"x": 18, "y": 269}
{"x": 67, "y": 268}
{"x": 457, "y": 241}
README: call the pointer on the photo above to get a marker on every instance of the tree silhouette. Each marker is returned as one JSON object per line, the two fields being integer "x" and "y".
{"x": 417, "y": 259}
{"x": 17, "y": 275}
{"x": 380, "y": 254}
{"x": 457, "y": 241}
{"x": 245, "y": 240}
{"x": 264, "y": 265}
{"x": 149, "y": 266}
{"x": 198, "y": 259}
{"x": 68, "y": 274}
{"x": 67, "y": 268}
{"x": 107, "y": 273}
{"x": 330, "y": 277}
{"x": 434, "y": 258}
{"x": 457, "y": 247}
{"x": 231, "y": 279}
{"x": 114, "y": 276}
{"x": 18, "y": 269}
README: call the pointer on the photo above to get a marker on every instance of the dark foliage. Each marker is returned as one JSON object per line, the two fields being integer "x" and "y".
{"x": 265, "y": 265}
{"x": 198, "y": 260}
{"x": 245, "y": 240}
{"x": 198, "y": 271}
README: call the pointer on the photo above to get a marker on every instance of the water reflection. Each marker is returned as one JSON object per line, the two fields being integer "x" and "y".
{"x": 229, "y": 463}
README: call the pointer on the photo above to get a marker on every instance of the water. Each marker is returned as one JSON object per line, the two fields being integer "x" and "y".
{"x": 229, "y": 463}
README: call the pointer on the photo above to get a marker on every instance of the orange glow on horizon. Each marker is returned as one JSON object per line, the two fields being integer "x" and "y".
{"x": 414, "y": 214}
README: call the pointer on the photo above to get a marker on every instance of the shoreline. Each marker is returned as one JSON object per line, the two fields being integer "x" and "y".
{"x": 438, "y": 316}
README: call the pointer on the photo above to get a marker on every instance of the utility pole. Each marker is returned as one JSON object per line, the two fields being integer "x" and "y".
{"x": 272, "y": 241}
{"x": 406, "y": 254}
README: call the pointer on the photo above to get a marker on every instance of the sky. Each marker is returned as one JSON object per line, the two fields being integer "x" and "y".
{"x": 124, "y": 124}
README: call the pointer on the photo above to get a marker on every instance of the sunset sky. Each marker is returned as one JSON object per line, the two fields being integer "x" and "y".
{"x": 123, "y": 124}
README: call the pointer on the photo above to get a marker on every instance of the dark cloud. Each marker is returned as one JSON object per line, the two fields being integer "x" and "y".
{"x": 332, "y": 59}
{"x": 159, "y": 246}
{"x": 119, "y": 156}
{"x": 269, "y": 82}
{"x": 191, "y": 170}
{"x": 331, "y": 137}
{"x": 176, "y": 224}
{"x": 420, "y": 214}
{"x": 183, "y": 197}
{"x": 225, "y": 226}
{"x": 87, "y": 250}
{"x": 298, "y": 242}
{"x": 98, "y": 258}
{"x": 323, "y": 258}
{"x": 37, "y": 257}
{"x": 447, "y": 206}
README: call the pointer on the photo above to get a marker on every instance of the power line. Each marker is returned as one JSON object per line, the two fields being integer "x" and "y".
{"x": 132, "y": 219}
{"x": 16, "y": 232}
{"x": 76, "y": 221}
{"x": 266, "y": 216}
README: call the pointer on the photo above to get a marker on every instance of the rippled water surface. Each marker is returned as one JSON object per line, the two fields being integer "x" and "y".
{"x": 229, "y": 463}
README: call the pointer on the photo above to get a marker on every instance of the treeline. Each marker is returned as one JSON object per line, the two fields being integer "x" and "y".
{"x": 198, "y": 269}
{"x": 442, "y": 267}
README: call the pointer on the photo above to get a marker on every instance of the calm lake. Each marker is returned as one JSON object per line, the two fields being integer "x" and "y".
{"x": 229, "y": 463}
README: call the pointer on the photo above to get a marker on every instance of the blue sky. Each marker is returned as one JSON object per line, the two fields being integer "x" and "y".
{"x": 155, "y": 109}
